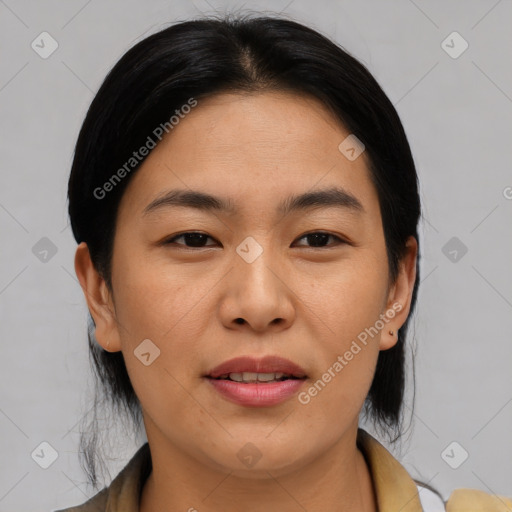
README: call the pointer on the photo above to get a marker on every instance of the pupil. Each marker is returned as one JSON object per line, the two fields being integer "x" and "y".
{"x": 316, "y": 239}
{"x": 195, "y": 239}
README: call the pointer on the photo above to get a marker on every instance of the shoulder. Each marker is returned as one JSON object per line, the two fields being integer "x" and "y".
{"x": 463, "y": 500}
{"x": 124, "y": 491}
{"x": 476, "y": 500}
{"x": 96, "y": 504}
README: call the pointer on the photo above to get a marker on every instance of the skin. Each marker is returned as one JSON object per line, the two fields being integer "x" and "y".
{"x": 255, "y": 149}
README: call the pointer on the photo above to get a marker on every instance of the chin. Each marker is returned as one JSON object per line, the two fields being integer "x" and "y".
{"x": 247, "y": 461}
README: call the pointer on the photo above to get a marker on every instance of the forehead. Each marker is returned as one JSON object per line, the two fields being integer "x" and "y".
{"x": 253, "y": 149}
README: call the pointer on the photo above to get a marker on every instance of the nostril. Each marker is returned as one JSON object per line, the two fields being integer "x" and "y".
{"x": 239, "y": 320}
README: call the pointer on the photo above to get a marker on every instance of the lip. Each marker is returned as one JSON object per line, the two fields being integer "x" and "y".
{"x": 267, "y": 364}
{"x": 257, "y": 394}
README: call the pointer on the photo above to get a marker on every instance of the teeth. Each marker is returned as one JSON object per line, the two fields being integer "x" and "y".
{"x": 254, "y": 377}
{"x": 265, "y": 377}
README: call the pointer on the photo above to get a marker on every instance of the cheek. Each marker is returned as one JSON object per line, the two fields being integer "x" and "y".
{"x": 154, "y": 298}
{"x": 349, "y": 303}
{"x": 350, "y": 296}
{"x": 156, "y": 301}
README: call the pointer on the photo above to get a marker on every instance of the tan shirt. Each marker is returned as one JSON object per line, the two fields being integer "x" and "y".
{"x": 394, "y": 488}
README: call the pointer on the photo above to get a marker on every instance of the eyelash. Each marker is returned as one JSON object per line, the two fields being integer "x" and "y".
{"x": 339, "y": 241}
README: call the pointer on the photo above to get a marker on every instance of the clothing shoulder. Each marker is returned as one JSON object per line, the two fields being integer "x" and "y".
{"x": 463, "y": 500}
{"x": 122, "y": 495}
{"x": 97, "y": 503}
{"x": 474, "y": 500}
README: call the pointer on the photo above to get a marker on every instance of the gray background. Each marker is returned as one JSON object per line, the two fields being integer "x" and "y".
{"x": 457, "y": 113}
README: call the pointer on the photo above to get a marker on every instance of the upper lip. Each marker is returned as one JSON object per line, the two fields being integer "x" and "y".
{"x": 267, "y": 364}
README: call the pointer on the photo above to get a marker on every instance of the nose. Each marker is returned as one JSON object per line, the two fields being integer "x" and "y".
{"x": 258, "y": 295}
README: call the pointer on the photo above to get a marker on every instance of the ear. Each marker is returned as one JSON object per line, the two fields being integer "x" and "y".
{"x": 400, "y": 296}
{"x": 99, "y": 300}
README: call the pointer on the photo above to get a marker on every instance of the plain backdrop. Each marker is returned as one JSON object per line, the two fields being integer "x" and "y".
{"x": 456, "y": 106}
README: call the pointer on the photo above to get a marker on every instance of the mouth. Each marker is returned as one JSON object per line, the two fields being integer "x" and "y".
{"x": 252, "y": 377}
{"x": 251, "y": 369}
{"x": 253, "y": 382}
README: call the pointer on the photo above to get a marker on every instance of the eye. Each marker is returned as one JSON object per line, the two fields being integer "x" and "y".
{"x": 195, "y": 239}
{"x": 192, "y": 239}
{"x": 319, "y": 239}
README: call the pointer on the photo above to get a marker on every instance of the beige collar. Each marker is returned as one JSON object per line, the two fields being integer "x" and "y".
{"x": 396, "y": 491}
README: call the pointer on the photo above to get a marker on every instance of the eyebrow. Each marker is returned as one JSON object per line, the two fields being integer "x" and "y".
{"x": 333, "y": 197}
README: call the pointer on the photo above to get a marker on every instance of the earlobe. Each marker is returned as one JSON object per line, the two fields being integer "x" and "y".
{"x": 98, "y": 300}
{"x": 400, "y": 296}
{"x": 388, "y": 339}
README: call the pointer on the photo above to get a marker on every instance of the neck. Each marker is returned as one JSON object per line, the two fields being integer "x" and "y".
{"x": 337, "y": 480}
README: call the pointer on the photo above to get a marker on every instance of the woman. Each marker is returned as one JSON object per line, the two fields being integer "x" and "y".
{"x": 246, "y": 207}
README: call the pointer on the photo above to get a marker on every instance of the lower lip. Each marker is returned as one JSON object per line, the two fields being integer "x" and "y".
{"x": 257, "y": 394}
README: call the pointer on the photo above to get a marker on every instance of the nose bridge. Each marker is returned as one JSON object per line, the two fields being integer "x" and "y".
{"x": 259, "y": 293}
{"x": 254, "y": 263}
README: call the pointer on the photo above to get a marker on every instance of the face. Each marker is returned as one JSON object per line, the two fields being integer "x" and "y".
{"x": 268, "y": 276}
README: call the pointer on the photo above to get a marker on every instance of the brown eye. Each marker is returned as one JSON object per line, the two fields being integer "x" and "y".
{"x": 319, "y": 239}
{"x": 192, "y": 239}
